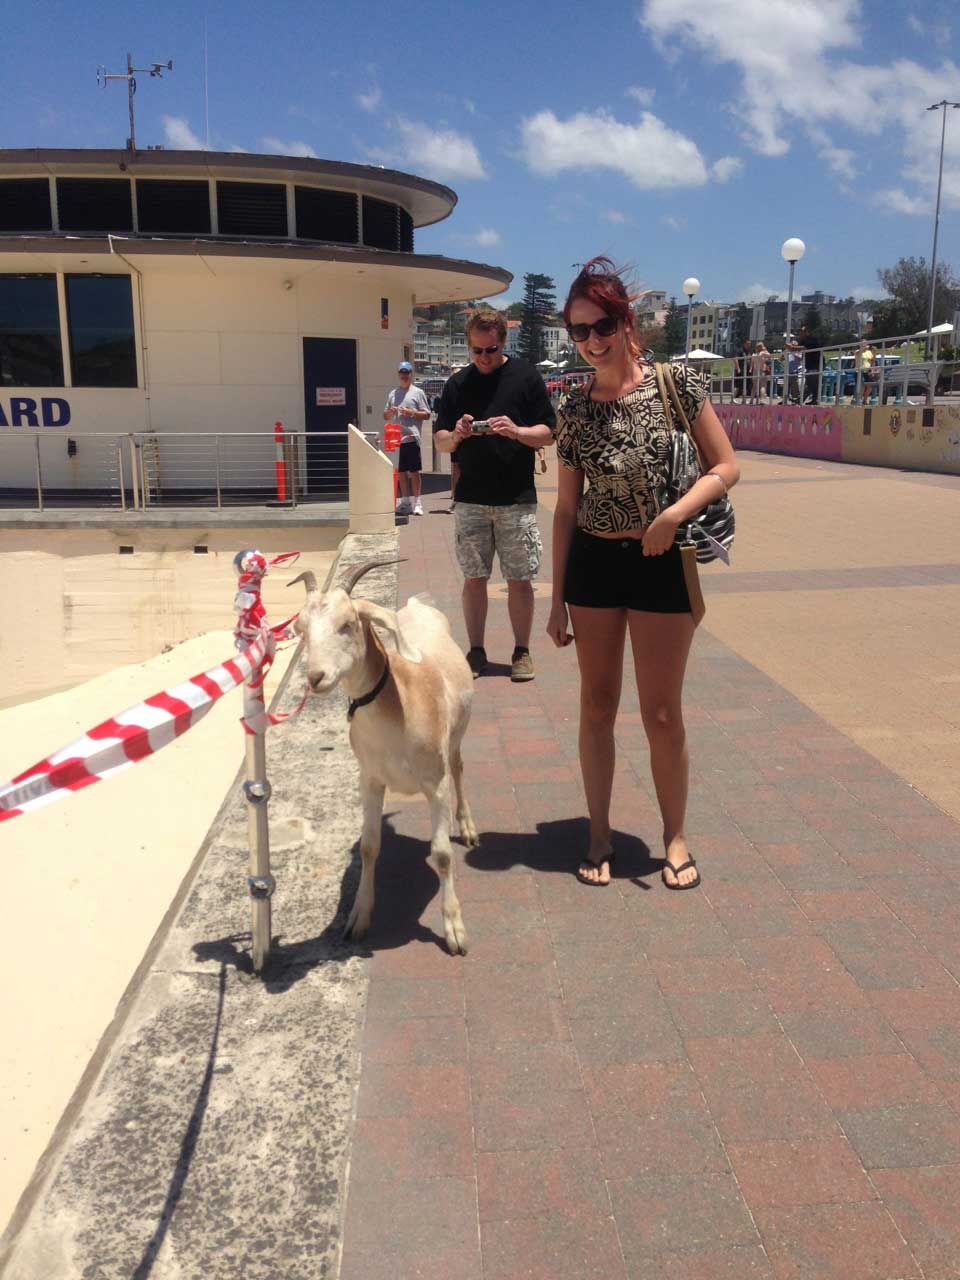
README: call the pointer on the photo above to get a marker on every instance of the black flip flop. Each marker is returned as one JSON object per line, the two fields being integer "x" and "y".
{"x": 694, "y": 884}
{"x": 609, "y": 859}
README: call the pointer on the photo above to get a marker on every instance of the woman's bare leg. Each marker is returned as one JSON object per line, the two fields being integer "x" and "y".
{"x": 600, "y": 636}
{"x": 661, "y": 643}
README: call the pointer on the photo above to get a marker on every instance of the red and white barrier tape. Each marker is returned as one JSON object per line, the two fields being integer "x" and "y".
{"x": 130, "y": 737}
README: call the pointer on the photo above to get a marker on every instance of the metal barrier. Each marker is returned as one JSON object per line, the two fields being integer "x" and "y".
{"x": 144, "y": 470}
{"x": 893, "y": 374}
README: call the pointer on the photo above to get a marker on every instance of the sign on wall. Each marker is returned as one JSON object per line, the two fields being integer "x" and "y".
{"x": 384, "y": 313}
{"x": 331, "y": 395}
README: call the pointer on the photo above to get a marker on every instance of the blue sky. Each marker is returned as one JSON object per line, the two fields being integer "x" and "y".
{"x": 680, "y": 137}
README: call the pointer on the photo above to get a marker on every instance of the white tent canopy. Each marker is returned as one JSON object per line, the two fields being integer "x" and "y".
{"x": 698, "y": 353}
{"x": 946, "y": 327}
{"x": 546, "y": 364}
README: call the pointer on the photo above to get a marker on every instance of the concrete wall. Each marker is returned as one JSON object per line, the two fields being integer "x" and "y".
{"x": 911, "y": 437}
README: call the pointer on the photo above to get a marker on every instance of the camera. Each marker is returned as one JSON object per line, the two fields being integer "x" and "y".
{"x": 481, "y": 426}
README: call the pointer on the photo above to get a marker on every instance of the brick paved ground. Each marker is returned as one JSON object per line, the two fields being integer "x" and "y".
{"x": 759, "y": 1079}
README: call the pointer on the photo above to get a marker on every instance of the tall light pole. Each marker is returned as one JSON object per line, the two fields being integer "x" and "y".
{"x": 791, "y": 251}
{"x": 937, "y": 106}
{"x": 690, "y": 286}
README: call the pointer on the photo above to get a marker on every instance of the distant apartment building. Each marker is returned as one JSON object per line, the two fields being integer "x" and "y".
{"x": 651, "y": 308}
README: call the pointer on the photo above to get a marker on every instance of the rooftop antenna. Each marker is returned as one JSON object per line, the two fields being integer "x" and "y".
{"x": 155, "y": 69}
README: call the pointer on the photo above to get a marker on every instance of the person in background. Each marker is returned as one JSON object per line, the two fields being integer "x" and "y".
{"x": 409, "y": 406}
{"x": 760, "y": 368}
{"x": 741, "y": 370}
{"x": 496, "y": 499}
{"x": 863, "y": 363}
{"x": 616, "y": 565}
{"x": 811, "y": 365}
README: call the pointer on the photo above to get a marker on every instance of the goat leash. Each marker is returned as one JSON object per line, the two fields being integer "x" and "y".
{"x": 367, "y": 698}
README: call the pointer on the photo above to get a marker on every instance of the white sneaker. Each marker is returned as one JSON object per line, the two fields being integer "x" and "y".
{"x": 417, "y": 508}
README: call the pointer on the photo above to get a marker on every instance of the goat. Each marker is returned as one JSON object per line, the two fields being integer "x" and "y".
{"x": 408, "y": 714}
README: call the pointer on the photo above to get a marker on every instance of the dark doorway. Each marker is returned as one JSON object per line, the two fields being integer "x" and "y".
{"x": 330, "y": 402}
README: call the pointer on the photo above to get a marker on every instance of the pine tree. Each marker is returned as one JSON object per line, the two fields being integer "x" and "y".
{"x": 674, "y": 329}
{"x": 539, "y": 304}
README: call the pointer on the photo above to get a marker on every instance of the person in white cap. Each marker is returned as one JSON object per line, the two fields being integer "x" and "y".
{"x": 409, "y": 406}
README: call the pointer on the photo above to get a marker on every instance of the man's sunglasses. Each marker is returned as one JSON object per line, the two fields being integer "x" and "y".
{"x": 605, "y": 327}
{"x": 485, "y": 351}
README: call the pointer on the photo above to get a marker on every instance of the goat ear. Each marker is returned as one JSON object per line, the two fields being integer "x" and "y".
{"x": 386, "y": 620}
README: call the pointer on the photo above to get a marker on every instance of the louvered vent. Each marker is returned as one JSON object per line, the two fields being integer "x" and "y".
{"x": 177, "y": 208}
{"x": 252, "y": 209}
{"x": 94, "y": 204}
{"x": 327, "y": 215}
{"x": 25, "y": 205}
{"x": 406, "y": 232}
{"x": 381, "y": 226}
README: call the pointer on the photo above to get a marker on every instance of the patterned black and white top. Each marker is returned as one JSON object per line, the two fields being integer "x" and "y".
{"x": 623, "y": 448}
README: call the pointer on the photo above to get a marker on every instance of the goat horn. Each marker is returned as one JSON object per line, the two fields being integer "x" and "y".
{"x": 308, "y": 578}
{"x": 357, "y": 572}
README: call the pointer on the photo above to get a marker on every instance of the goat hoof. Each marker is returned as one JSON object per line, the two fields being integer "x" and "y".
{"x": 456, "y": 940}
{"x": 468, "y": 834}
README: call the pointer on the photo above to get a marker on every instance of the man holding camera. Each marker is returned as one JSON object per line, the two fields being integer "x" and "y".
{"x": 495, "y": 414}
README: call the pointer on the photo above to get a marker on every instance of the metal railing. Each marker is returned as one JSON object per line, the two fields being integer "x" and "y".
{"x": 43, "y": 468}
{"x": 893, "y": 374}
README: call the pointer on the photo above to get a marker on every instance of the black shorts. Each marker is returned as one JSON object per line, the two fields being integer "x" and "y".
{"x": 613, "y": 573}
{"x": 409, "y": 458}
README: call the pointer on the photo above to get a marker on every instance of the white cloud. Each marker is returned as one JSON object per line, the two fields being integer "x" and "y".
{"x": 896, "y": 200}
{"x": 487, "y": 236}
{"x": 795, "y": 78}
{"x": 370, "y": 101}
{"x": 758, "y": 293}
{"x": 441, "y": 153}
{"x": 614, "y": 216}
{"x": 726, "y": 167}
{"x": 277, "y": 147}
{"x": 180, "y": 136}
{"x": 649, "y": 154}
{"x": 641, "y": 94}
{"x": 861, "y": 292}
{"x": 674, "y": 224}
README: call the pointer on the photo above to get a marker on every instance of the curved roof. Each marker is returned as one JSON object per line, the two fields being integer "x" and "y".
{"x": 429, "y": 277}
{"x": 426, "y": 201}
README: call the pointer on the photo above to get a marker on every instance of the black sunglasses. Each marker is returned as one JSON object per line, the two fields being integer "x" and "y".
{"x": 485, "y": 351}
{"x": 605, "y": 327}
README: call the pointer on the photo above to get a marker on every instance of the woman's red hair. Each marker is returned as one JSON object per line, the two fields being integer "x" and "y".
{"x": 601, "y": 283}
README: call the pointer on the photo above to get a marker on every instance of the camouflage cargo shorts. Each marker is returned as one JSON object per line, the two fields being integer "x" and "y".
{"x": 510, "y": 531}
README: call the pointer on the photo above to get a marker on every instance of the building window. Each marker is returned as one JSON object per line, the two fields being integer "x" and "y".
{"x": 381, "y": 226}
{"x": 94, "y": 204}
{"x": 251, "y": 209}
{"x": 174, "y": 208}
{"x": 25, "y": 205}
{"x": 103, "y": 351}
{"x": 327, "y": 215}
{"x": 30, "y": 350}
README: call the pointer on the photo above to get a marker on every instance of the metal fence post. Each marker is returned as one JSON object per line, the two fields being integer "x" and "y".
{"x": 251, "y": 567}
{"x": 36, "y": 440}
{"x": 256, "y": 792}
{"x": 134, "y": 487}
{"x": 123, "y": 493}
{"x": 219, "y": 499}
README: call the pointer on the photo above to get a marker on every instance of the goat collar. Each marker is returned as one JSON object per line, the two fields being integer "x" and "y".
{"x": 367, "y": 698}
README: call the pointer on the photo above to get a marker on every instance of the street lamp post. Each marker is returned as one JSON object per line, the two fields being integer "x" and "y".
{"x": 690, "y": 286}
{"x": 937, "y": 106}
{"x": 791, "y": 251}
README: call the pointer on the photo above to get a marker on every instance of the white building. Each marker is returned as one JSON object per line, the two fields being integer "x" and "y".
{"x": 190, "y": 292}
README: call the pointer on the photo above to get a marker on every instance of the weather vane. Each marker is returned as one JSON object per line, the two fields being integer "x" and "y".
{"x": 130, "y": 75}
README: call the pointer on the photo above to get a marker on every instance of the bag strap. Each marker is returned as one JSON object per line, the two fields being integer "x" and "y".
{"x": 673, "y": 407}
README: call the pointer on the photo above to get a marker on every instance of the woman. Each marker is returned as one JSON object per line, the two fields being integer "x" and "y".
{"x": 760, "y": 363}
{"x": 615, "y": 565}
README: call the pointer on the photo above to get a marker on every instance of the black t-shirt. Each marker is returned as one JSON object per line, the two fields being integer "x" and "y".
{"x": 811, "y": 359}
{"x": 494, "y": 471}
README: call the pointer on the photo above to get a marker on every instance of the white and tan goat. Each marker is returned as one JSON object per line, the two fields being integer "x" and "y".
{"x": 408, "y": 713}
